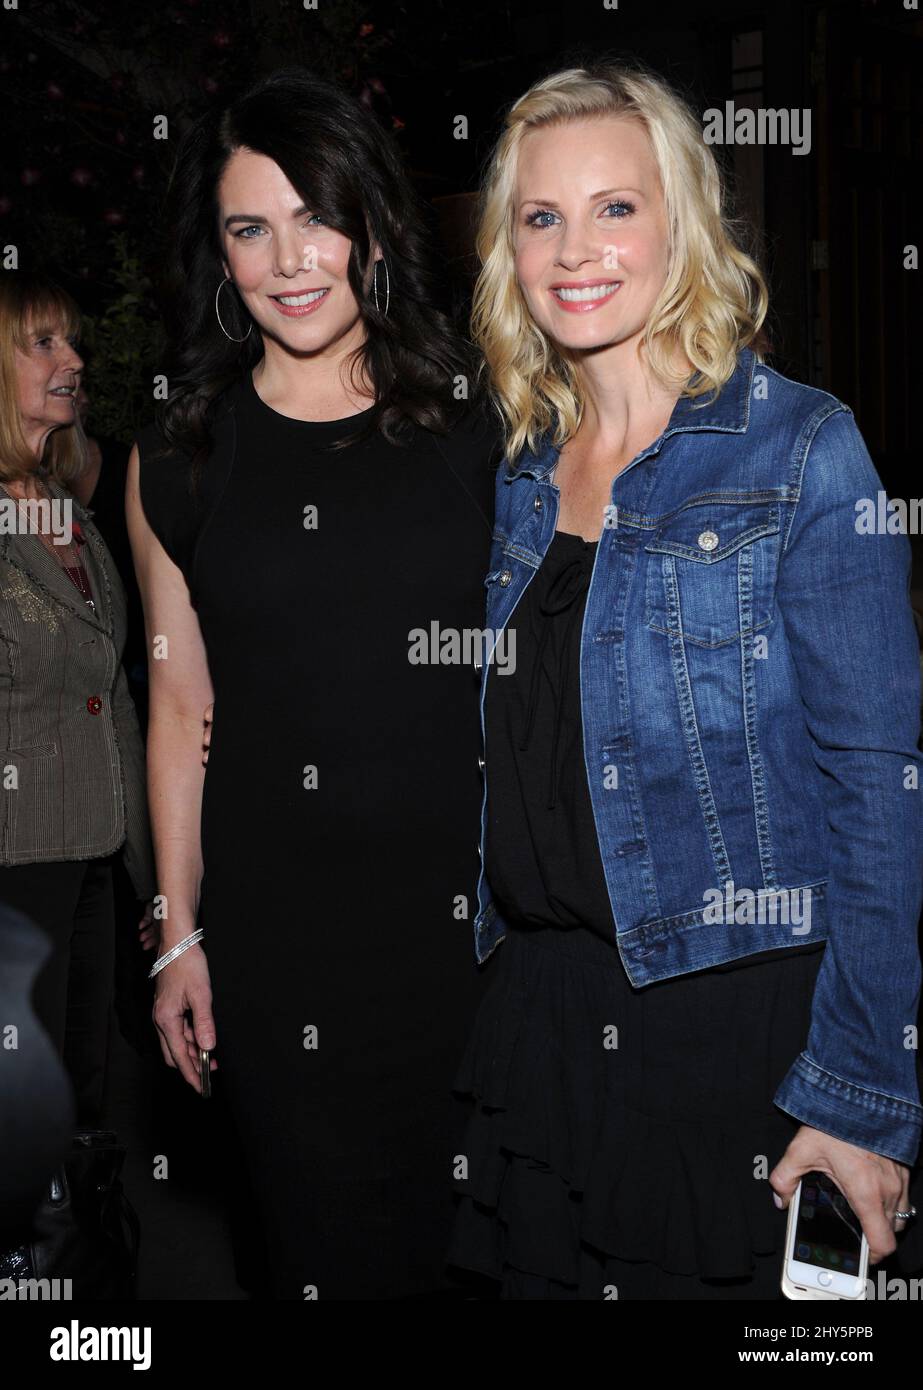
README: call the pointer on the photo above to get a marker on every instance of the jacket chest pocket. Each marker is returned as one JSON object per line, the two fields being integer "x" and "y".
{"x": 711, "y": 571}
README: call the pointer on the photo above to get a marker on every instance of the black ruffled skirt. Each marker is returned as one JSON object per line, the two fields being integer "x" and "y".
{"x": 619, "y": 1140}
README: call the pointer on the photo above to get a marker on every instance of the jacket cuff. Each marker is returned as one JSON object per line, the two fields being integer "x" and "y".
{"x": 871, "y": 1119}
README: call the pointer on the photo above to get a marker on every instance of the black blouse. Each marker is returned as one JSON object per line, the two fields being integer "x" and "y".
{"x": 542, "y": 853}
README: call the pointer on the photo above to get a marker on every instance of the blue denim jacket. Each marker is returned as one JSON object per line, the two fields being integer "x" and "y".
{"x": 750, "y": 688}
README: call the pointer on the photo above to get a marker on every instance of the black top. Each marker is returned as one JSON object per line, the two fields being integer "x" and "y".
{"x": 542, "y": 850}
{"x": 307, "y": 627}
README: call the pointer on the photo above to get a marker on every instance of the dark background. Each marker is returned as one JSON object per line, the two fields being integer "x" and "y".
{"x": 82, "y": 174}
{"x": 81, "y": 182}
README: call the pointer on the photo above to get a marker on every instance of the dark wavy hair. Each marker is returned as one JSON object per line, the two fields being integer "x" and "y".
{"x": 346, "y": 167}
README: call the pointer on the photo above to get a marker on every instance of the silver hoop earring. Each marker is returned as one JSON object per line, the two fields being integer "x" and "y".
{"x": 387, "y": 284}
{"x": 227, "y": 281}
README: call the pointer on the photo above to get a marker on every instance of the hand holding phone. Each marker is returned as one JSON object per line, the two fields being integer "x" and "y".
{"x": 826, "y": 1252}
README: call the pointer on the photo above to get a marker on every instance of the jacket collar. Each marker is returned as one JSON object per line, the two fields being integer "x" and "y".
{"x": 28, "y": 554}
{"x": 728, "y": 411}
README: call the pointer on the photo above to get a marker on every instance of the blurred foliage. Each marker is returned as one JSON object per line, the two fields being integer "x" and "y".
{"x": 123, "y": 348}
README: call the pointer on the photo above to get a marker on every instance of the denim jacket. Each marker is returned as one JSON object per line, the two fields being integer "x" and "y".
{"x": 750, "y": 691}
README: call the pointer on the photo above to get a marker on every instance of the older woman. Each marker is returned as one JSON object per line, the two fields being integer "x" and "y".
{"x": 70, "y": 747}
{"x": 702, "y": 837}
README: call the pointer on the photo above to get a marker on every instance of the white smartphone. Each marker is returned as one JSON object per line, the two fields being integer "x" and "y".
{"x": 826, "y": 1252}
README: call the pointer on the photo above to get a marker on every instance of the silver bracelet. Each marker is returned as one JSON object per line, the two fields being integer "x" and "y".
{"x": 177, "y": 950}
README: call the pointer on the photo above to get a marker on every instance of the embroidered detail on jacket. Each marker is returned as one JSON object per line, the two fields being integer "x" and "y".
{"x": 33, "y": 606}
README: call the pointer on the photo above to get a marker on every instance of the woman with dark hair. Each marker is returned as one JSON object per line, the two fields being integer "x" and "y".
{"x": 310, "y": 519}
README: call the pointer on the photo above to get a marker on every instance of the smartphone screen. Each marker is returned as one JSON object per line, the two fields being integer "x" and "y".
{"x": 828, "y": 1232}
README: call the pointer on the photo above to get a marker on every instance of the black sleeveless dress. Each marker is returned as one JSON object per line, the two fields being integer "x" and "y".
{"x": 340, "y": 825}
{"x": 619, "y": 1138}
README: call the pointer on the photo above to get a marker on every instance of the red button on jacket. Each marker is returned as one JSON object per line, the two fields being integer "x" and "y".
{"x": 94, "y": 704}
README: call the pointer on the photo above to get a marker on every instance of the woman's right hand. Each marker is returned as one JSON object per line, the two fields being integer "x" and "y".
{"x": 184, "y": 985}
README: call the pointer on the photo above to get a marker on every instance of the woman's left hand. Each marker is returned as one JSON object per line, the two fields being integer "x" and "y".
{"x": 874, "y": 1186}
{"x": 149, "y": 930}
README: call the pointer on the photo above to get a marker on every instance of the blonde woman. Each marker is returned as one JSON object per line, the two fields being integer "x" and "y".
{"x": 698, "y": 839}
{"x": 73, "y": 786}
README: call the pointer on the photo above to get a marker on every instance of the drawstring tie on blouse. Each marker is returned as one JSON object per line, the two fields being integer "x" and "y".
{"x": 572, "y": 580}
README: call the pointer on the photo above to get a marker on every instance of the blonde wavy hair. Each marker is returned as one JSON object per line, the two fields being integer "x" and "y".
{"x": 31, "y": 302}
{"x": 714, "y": 299}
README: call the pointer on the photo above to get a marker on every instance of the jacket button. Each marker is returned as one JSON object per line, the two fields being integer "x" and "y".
{"x": 538, "y": 504}
{"x": 481, "y": 764}
{"x": 94, "y": 704}
{"x": 505, "y": 577}
{"x": 708, "y": 540}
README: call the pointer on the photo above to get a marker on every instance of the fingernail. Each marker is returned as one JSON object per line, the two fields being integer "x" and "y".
{"x": 778, "y": 1200}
